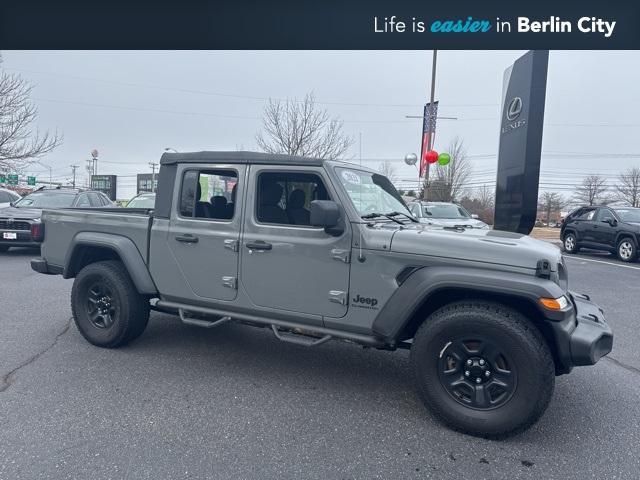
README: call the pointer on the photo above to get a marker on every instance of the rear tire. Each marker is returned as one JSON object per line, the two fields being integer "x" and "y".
{"x": 107, "y": 309}
{"x": 570, "y": 243}
{"x": 626, "y": 250}
{"x": 455, "y": 348}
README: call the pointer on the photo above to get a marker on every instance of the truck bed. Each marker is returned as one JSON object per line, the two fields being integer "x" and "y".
{"x": 62, "y": 226}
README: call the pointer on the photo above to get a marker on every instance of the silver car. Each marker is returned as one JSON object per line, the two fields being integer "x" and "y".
{"x": 445, "y": 214}
{"x": 7, "y": 196}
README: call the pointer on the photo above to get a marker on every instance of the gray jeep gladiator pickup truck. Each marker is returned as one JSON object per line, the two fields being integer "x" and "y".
{"x": 319, "y": 250}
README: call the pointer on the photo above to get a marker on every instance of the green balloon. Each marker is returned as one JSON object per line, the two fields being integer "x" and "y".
{"x": 444, "y": 159}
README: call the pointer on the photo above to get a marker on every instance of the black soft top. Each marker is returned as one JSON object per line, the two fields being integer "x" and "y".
{"x": 238, "y": 157}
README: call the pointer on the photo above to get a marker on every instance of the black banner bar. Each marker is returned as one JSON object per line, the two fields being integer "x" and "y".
{"x": 328, "y": 24}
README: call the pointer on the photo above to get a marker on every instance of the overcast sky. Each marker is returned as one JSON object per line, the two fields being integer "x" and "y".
{"x": 131, "y": 105}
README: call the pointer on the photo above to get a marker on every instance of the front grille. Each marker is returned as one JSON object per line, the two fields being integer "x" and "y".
{"x": 14, "y": 225}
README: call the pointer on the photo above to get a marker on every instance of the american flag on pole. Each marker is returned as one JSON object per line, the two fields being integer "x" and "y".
{"x": 428, "y": 130}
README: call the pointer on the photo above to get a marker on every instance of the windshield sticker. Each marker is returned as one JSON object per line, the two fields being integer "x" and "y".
{"x": 351, "y": 177}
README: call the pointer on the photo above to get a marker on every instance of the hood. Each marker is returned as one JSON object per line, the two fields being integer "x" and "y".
{"x": 452, "y": 222}
{"x": 477, "y": 245}
{"x": 20, "y": 213}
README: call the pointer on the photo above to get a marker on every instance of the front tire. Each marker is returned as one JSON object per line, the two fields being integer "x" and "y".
{"x": 570, "y": 243}
{"x": 626, "y": 250}
{"x": 482, "y": 368}
{"x": 107, "y": 309}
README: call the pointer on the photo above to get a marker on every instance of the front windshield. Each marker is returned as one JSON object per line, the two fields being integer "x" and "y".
{"x": 145, "y": 201}
{"x": 629, "y": 214}
{"x": 444, "y": 211}
{"x": 47, "y": 200}
{"x": 371, "y": 193}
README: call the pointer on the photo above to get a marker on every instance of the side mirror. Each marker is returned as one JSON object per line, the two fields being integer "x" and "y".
{"x": 611, "y": 221}
{"x": 326, "y": 214}
{"x": 474, "y": 216}
{"x": 12, "y": 204}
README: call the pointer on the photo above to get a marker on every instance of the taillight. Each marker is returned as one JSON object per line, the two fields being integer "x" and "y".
{"x": 37, "y": 232}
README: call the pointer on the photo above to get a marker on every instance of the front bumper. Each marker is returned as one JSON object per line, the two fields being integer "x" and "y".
{"x": 583, "y": 337}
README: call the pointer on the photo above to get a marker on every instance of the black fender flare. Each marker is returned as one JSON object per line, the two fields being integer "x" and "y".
{"x": 428, "y": 281}
{"x": 625, "y": 234}
{"x": 569, "y": 230}
{"x": 123, "y": 247}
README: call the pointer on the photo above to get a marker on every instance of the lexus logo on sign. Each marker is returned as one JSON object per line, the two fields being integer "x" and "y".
{"x": 514, "y": 109}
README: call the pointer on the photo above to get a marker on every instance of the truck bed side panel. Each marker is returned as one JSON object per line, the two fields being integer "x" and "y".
{"x": 61, "y": 226}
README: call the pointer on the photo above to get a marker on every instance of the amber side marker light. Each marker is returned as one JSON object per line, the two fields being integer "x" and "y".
{"x": 554, "y": 303}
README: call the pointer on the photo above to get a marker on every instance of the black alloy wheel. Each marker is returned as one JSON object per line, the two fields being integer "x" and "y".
{"x": 476, "y": 373}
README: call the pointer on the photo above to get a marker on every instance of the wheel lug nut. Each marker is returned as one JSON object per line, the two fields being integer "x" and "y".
{"x": 481, "y": 362}
{"x": 467, "y": 373}
{"x": 469, "y": 362}
{"x": 487, "y": 373}
{"x": 478, "y": 380}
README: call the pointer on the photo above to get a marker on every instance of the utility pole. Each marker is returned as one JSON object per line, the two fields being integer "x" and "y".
{"x": 73, "y": 169}
{"x": 153, "y": 175}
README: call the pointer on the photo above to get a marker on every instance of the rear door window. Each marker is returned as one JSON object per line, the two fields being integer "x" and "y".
{"x": 587, "y": 214}
{"x": 209, "y": 194}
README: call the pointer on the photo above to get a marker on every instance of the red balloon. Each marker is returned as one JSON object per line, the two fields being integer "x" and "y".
{"x": 431, "y": 156}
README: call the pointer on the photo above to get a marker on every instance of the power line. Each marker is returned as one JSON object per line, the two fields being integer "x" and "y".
{"x": 243, "y": 97}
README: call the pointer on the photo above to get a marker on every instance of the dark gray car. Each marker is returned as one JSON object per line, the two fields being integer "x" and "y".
{"x": 20, "y": 223}
{"x": 322, "y": 250}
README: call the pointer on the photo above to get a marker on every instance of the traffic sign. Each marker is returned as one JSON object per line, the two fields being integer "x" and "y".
{"x": 13, "y": 179}
{"x": 31, "y": 181}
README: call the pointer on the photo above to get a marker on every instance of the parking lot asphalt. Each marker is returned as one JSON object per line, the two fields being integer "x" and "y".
{"x": 233, "y": 402}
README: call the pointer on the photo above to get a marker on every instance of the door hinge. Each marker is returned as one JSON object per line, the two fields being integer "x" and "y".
{"x": 341, "y": 254}
{"x": 338, "y": 296}
{"x": 231, "y": 244}
{"x": 230, "y": 282}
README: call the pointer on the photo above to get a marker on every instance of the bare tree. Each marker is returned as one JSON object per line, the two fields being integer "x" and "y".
{"x": 628, "y": 187}
{"x": 447, "y": 182}
{"x": 592, "y": 191}
{"x": 301, "y": 128}
{"x": 550, "y": 202}
{"x": 480, "y": 202}
{"x": 20, "y": 144}
{"x": 387, "y": 169}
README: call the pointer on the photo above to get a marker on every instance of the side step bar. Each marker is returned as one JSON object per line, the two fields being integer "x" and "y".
{"x": 325, "y": 334}
{"x": 201, "y": 323}
{"x": 299, "y": 339}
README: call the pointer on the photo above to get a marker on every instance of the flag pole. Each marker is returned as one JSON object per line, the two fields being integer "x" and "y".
{"x": 433, "y": 93}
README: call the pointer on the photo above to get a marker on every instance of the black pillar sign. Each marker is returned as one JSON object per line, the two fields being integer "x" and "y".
{"x": 521, "y": 124}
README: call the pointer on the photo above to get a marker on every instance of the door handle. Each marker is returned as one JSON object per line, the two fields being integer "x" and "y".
{"x": 187, "y": 238}
{"x": 259, "y": 245}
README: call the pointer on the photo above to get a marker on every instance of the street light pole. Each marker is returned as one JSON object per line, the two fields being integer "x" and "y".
{"x": 73, "y": 168}
{"x": 153, "y": 176}
{"x": 50, "y": 171}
